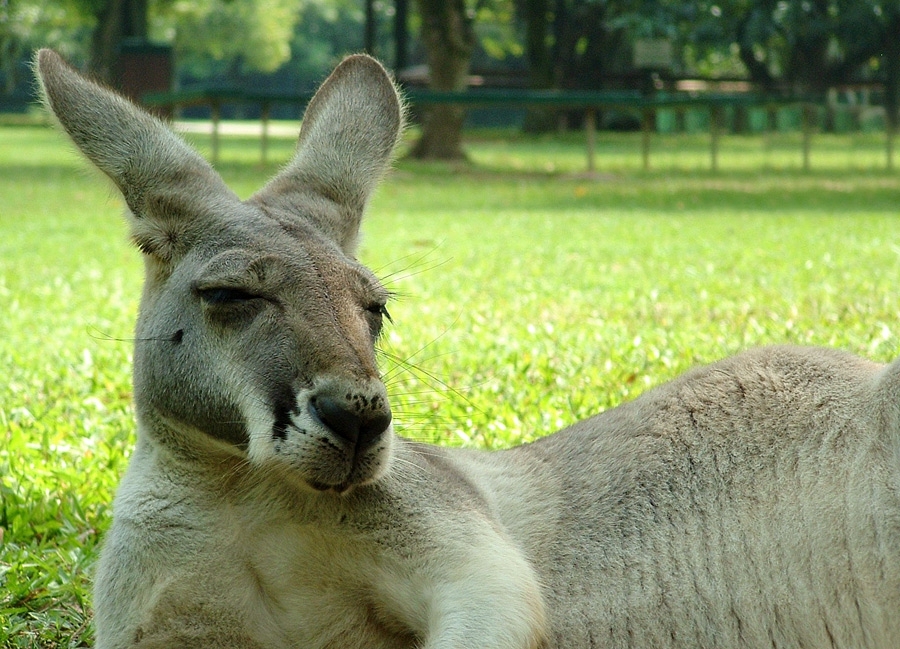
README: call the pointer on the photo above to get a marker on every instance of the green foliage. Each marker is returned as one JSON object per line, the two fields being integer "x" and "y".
{"x": 495, "y": 27}
{"x": 210, "y": 37}
{"x": 813, "y": 44}
{"x": 525, "y": 298}
{"x": 254, "y": 34}
{"x": 27, "y": 24}
{"x": 327, "y": 31}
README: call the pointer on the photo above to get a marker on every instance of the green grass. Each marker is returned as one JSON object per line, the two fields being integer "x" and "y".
{"x": 528, "y": 296}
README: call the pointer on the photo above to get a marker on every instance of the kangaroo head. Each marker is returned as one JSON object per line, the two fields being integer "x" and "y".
{"x": 257, "y": 326}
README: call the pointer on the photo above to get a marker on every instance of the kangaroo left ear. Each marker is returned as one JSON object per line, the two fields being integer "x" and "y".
{"x": 172, "y": 193}
{"x": 347, "y": 138}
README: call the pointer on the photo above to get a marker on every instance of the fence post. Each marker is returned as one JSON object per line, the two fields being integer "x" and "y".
{"x": 647, "y": 122}
{"x": 216, "y": 118}
{"x": 715, "y": 119}
{"x": 590, "y": 127}
{"x": 890, "y": 132}
{"x": 806, "y": 125}
{"x": 264, "y": 145}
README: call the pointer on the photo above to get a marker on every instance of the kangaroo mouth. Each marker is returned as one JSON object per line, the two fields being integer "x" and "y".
{"x": 339, "y": 489}
{"x": 334, "y": 440}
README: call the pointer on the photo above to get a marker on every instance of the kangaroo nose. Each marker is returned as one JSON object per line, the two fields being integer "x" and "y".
{"x": 358, "y": 427}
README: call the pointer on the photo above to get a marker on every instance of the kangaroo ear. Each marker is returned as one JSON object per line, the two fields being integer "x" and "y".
{"x": 168, "y": 187}
{"x": 348, "y": 135}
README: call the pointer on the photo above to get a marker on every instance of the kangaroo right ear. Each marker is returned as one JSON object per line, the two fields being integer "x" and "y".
{"x": 168, "y": 187}
{"x": 348, "y": 135}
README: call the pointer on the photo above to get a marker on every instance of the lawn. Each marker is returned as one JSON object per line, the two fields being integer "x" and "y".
{"x": 528, "y": 295}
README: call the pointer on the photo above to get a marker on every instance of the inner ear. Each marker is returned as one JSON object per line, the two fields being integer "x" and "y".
{"x": 165, "y": 239}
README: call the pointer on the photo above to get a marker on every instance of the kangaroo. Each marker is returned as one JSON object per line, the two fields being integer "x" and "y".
{"x": 268, "y": 504}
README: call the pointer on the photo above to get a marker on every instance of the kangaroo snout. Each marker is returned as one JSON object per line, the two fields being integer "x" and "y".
{"x": 337, "y": 435}
{"x": 357, "y": 418}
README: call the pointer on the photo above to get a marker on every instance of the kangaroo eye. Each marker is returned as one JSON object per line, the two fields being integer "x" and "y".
{"x": 222, "y": 295}
{"x": 381, "y": 311}
{"x": 378, "y": 313}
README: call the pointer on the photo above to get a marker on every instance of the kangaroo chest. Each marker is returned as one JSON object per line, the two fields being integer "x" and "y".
{"x": 326, "y": 587}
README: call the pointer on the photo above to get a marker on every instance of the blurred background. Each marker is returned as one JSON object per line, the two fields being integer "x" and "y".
{"x": 840, "y": 56}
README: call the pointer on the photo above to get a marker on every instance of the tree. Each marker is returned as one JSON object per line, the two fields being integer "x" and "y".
{"x": 889, "y": 63}
{"x": 580, "y": 44}
{"x": 587, "y": 43}
{"x": 246, "y": 34}
{"x": 256, "y": 32}
{"x": 806, "y": 46}
{"x": 449, "y": 40}
{"x": 27, "y": 24}
{"x": 116, "y": 20}
{"x": 536, "y": 15}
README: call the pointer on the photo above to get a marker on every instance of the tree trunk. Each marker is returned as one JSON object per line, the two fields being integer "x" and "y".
{"x": 449, "y": 39}
{"x": 537, "y": 49}
{"x": 105, "y": 40}
{"x": 892, "y": 72}
{"x": 116, "y": 21}
{"x": 758, "y": 70}
{"x": 536, "y": 14}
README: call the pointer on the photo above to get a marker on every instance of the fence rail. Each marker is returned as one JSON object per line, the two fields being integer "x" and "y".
{"x": 646, "y": 108}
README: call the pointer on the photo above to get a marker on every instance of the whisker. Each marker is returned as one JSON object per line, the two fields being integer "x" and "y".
{"x": 98, "y": 334}
{"x": 395, "y": 277}
{"x": 419, "y": 255}
{"x": 417, "y": 265}
{"x": 390, "y": 374}
{"x": 420, "y": 372}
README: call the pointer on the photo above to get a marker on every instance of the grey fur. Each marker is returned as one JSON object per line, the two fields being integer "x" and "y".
{"x": 751, "y": 503}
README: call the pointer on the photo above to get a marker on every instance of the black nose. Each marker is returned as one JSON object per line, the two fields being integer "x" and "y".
{"x": 361, "y": 426}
